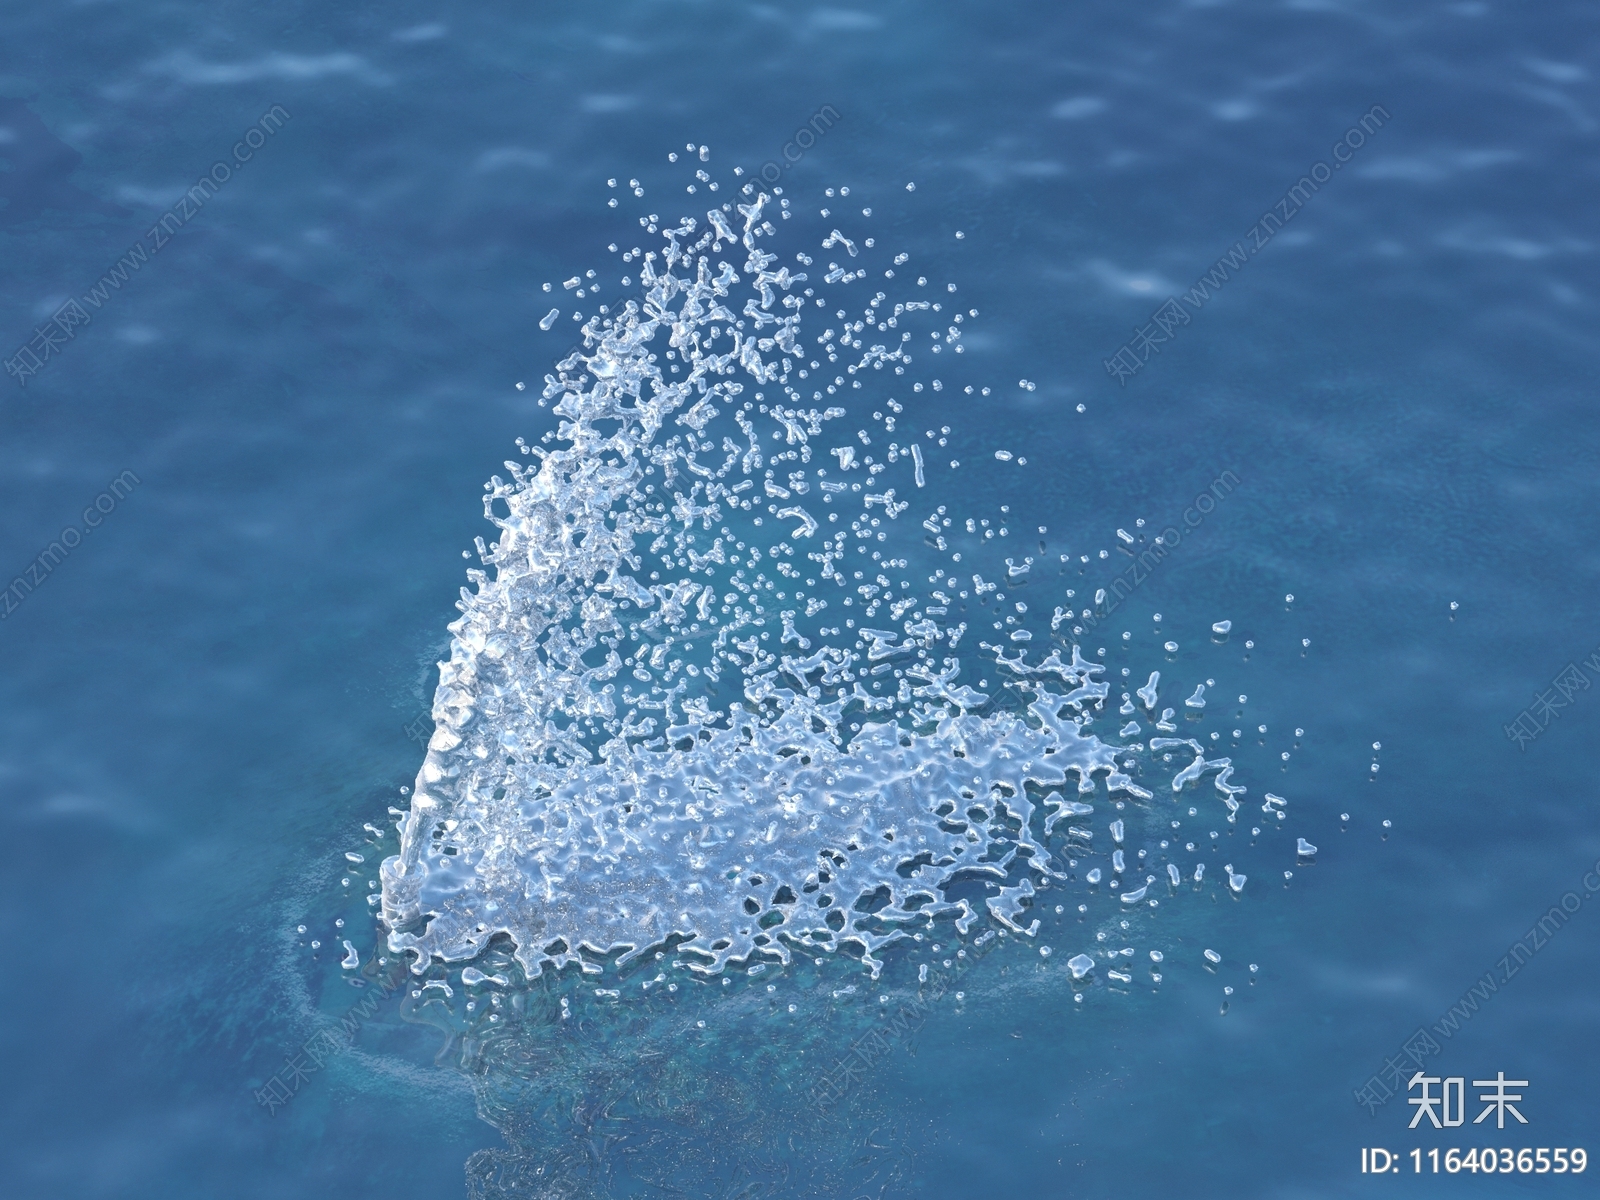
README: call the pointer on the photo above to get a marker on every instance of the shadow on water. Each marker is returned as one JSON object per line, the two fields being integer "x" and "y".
{"x": 708, "y": 1091}
{"x": 37, "y": 169}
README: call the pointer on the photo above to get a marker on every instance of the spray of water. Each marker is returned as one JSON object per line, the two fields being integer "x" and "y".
{"x": 721, "y": 698}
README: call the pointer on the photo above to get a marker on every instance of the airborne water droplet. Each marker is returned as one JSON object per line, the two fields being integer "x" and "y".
{"x": 645, "y": 734}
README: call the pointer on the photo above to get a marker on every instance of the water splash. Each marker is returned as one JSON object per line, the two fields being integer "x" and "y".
{"x": 792, "y": 761}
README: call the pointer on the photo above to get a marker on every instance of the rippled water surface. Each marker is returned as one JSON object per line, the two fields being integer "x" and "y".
{"x": 271, "y": 279}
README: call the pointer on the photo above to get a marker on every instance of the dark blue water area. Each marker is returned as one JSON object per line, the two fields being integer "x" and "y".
{"x": 309, "y": 380}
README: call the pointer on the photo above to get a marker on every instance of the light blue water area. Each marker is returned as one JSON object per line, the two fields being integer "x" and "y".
{"x": 311, "y": 377}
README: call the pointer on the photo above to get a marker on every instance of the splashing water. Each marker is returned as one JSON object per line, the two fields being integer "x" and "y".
{"x": 699, "y": 707}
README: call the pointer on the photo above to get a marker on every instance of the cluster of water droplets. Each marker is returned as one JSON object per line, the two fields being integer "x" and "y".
{"x": 700, "y": 708}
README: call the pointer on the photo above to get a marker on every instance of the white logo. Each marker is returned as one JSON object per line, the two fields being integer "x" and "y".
{"x": 1447, "y": 1109}
{"x": 1499, "y": 1101}
{"x": 1429, "y": 1105}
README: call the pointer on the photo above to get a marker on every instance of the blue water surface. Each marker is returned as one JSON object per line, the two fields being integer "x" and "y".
{"x": 293, "y": 402}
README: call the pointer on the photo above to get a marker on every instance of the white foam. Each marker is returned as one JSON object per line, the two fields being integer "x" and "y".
{"x": 643, "y": 735}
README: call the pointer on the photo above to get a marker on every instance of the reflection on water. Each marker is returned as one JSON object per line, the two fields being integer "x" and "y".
{"x": 625, "y": 1101}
